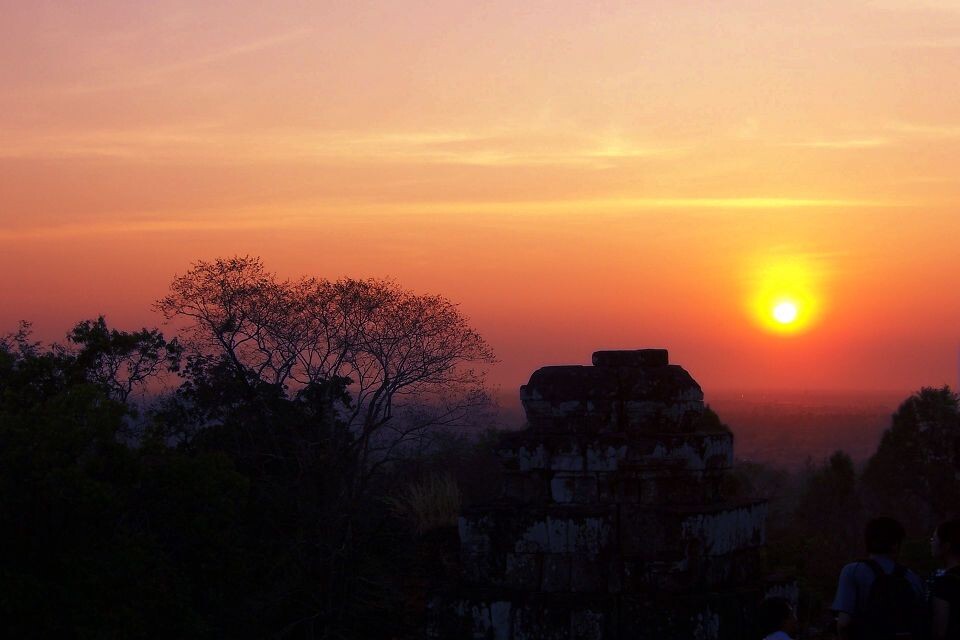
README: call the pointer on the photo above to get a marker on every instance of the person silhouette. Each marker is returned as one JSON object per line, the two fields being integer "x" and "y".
{"x": 878, "y": 599}
{"x": 945, "y": 590}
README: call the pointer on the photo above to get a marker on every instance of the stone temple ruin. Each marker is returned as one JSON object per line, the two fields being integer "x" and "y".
{"x": 613, "y": 521}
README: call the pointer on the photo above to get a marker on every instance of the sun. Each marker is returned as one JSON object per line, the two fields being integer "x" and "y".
{"x": 785, "y": 312}
{"x": 786, "y": 297}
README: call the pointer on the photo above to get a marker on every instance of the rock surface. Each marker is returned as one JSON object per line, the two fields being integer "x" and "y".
{"x": 612, "y": 521}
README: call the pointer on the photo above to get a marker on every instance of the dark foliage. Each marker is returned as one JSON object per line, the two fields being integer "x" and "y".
{"x": 916, "y": 469}
{"x": 235, "y": 514}
{"x": 272, "y": 495}
{"x": 258, "y": 498}
{"x": 101, "y": 539}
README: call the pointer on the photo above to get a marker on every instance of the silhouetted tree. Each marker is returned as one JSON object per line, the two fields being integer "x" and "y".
{"x": 915, "y": 472}
{"x": 254, "y": 499}
{"x": 829, "y": 506}
{"x": 102, "y": 539}
{"x": 122, "y": 361}
{"x": 407, "y": 359}
{"x": 313, "y": 388}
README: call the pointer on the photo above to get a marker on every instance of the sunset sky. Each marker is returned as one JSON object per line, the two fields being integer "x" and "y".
{"x": 578, "y": 175}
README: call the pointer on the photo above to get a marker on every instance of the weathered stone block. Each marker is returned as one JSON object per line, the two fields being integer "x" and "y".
{"x": 562, "y": 488}
{"x": 628, "y": 490}
{"x": 486, "y": 620}
{"x": 523, "y": 487}
{"x": 590, "y": 534}
{"x": 729, "y": 570}
{"x": 500, "y": 620}
{"x": 556, "y": 572}
{"x": 783, "y": 588}
{"x": 587, "y": 573}
{"x": 475, "y": 547}
{"x": 480, "y": 628}
{"x": 536, "y": 621}
{"x": 558, "y": 534}
{"x": 474, "y": 531}
{"x": 523, "y": 571}
{"x": 637, "y": 358}
{"x": 604, "y": 458}
{"x": 579, "y": 488}
{"x": 611, "y": 398}
{"x": 533, "y": 458}
{"x": 585, "y": 489}
{"x": 588, "y": 624}
{"x": 534, "y": 539}
{"x": 614, "y": 573}
{"x": 567, "y": 462}
{"x": 726, "y": 530}
{"x": 606, "y": 488}
{"x": 647, "y": 533}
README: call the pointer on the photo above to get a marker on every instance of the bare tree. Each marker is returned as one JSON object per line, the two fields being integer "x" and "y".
{"x": 411, "y": 360}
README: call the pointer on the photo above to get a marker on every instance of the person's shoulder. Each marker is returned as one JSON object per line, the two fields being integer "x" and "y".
{"x": 852, "y": 567}
{"x": 915, "y": 580}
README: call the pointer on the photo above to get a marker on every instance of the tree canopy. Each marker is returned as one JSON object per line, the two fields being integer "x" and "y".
{"x": 255, "y": 498}
{"x": 917, "y": 465}
{"x": 408, "y": 361}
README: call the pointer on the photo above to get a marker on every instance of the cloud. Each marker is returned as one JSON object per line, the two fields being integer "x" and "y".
{"x": 926, "y": 130}
{"x": 212, "y": 143}
{"x": 894, "y": 133}
{"x": 638, "y": 204}
{"x": 146, "y": 75}
{"x": 842, "y": 143}
{"x": 154, "y": 223}
{"x": 314, "y": 214}
{"x": 232, "y": 51}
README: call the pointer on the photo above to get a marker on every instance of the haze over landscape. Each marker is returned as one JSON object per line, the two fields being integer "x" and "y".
{"x": 575, "y": 176}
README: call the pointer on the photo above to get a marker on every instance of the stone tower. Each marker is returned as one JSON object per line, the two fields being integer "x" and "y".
{"x": 613, "y": 521}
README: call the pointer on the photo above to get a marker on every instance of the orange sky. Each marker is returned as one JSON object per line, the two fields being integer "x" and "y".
{"x": 577, "y": 174}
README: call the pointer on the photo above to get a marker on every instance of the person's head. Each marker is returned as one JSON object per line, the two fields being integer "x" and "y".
{"x": 946, "y": 540}
{"x": 884, "y": 536}
{"x": 776, "y": 614}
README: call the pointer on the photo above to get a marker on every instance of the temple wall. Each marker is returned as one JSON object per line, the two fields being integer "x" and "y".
{"x": 612, "y": 522}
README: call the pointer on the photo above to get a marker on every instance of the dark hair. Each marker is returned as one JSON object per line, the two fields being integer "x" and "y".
{"x": 773, "y": 614}
{"x": 949, "y": 534}
{"x": 883, "y": 535}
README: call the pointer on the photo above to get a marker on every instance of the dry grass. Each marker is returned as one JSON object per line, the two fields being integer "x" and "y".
{"x": 429, "y": 504}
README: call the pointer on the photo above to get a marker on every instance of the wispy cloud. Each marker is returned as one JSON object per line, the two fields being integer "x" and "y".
{"x": 926, "y": 130}
{"x": 136, "y": 77}
{"x": 627, "y": 204}
{"x": 310, "y": 215}
{"x": 239, "y": 49}
{"x": 889, "y": 134}
{"x": 843, "y": 143}
{"x": 153, "y": 223}
{"x": 212, "y": 143}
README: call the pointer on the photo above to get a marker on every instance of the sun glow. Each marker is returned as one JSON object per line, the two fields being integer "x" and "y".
{"x": 786, "y": 296}
{"x": 785, "y": 312}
